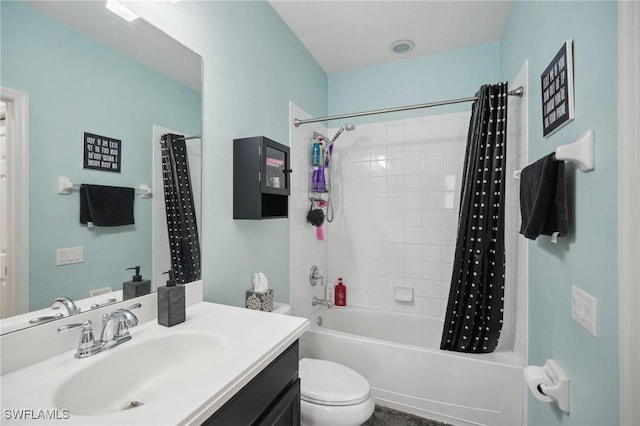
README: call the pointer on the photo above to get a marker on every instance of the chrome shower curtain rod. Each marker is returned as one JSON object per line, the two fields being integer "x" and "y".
{"x": 297, "y": 122}
{"x": 186, "y": 138}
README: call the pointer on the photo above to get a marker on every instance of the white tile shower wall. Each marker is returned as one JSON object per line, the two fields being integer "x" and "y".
{"x": 396, "y": 191}
{"x": 396, "y": 194}
{"x": 305, "y": 249}
{"x": 516, "y": 290}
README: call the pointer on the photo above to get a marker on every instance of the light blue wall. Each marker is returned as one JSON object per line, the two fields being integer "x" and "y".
{"x": 253, "y": 66}
{"x": 587, "y": 257}
{"x": 76, "y": 85}
{"x": 438, "y": 77}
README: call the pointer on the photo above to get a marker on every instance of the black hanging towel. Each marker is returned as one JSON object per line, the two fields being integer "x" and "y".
{"x": 474, "y": 311}
{"x": 182, "y": 226}
{"x": 102, "y": 205}
{"x": 543, "y": 199}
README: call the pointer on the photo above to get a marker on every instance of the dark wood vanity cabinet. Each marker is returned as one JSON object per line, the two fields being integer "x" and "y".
{"x": 261, "y": 181}
{"x": 271, "y": 398}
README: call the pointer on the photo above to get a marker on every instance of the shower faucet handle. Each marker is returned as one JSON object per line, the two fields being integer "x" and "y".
{"x": 314, "y": 276}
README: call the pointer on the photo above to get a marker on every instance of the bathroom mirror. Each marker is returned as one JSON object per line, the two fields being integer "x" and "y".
{"x": 86, "y": 70}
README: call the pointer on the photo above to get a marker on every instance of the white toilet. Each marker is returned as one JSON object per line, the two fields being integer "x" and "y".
{"x": 331, "y": 393}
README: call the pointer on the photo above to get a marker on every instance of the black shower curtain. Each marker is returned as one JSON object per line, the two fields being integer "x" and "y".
{"x": 182, "y": 226}
{"x": 474, "y": 311}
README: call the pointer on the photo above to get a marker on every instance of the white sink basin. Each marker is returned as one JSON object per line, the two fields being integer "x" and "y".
{"x": 132, "y": 375}
{"x": 180, "y": 374}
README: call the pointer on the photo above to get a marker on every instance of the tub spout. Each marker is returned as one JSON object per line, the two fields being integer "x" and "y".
{"x": 322, "y": 302}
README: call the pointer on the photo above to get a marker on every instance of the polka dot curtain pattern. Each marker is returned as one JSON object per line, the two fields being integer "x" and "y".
{"x": 473, "y": 319}
{"x": 182, "y": 226}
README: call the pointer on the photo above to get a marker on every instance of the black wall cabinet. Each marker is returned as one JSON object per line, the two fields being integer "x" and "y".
{"x": 261, "y": 169}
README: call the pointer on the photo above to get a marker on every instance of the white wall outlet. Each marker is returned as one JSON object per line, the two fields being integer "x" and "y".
{"x": 67, "y": 256}
{"x": 584, "y": 309}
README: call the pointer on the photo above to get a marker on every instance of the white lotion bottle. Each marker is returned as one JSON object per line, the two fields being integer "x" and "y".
{"x": 329, "y": 293}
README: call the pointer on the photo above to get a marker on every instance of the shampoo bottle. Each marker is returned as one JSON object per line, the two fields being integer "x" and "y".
{"x": 136, "y": 287}
{"x": 341, "y": 294}
{"x": 171, "y": 303}
{"x": 315, "y": 153}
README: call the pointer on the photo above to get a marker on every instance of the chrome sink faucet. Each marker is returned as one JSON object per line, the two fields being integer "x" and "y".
{"x": 115, "y": 330}
{"x": 69, "y": 304}
{"x": 115, "y": 326}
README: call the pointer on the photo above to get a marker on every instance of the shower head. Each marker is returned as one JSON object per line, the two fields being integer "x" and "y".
{"x": 348, "y": 127}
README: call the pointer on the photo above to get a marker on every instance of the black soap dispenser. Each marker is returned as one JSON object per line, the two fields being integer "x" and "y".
{"x": 136, "y": 287}
{"x": 171, "y": 302}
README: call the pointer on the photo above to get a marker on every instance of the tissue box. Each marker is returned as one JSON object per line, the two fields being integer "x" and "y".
{"x": 260, "y": 301}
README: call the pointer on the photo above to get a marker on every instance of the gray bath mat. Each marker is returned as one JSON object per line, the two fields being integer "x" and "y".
{"x": 384, "y": 416}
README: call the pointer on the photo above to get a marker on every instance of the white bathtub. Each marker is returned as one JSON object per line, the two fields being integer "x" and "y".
{"x": 399, "y": 355}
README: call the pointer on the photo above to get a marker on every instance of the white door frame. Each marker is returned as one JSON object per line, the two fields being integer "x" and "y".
{"x": 18, "y": 169}
{"x": 628, "y": 208}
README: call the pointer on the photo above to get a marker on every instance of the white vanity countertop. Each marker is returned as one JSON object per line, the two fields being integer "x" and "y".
{"x": 251, "y": 341}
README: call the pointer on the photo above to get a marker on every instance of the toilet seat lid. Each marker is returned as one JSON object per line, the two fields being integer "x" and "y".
{"x": 329, "y": 383}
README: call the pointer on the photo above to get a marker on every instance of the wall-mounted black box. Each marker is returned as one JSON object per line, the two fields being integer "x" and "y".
{"x": 261, "y": 169}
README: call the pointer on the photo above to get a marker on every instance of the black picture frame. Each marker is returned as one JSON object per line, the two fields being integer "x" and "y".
{"x": 557, "y": 92}
{"x": 101, "y": 153}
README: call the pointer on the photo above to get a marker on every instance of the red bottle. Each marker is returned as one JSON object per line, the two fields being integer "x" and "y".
{"x": 340, "y": 294}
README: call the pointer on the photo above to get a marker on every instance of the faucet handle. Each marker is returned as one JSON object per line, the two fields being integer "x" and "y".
{"x": 87, "y": 345}
{"x": 134, "y": 306}
{"x": 87, "y": 325}
{"x": 105, "y": 303}
{"x": 314, "y": 276}
{"x": 46, "y": 318}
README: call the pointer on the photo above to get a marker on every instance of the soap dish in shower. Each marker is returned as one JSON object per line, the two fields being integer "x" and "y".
{"x": 403, "y": 294}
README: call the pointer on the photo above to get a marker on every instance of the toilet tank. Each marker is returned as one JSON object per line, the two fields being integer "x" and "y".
{"x": 282, "y": 308}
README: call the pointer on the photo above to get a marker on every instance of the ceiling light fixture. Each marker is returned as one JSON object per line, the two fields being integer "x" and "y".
{"x": 400, "y": 47}
{"x": 121, "y": 10}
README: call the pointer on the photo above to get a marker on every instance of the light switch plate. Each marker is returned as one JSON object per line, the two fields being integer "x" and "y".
{"x": 584, "y": 309}
{"x": 69, "y": 255}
